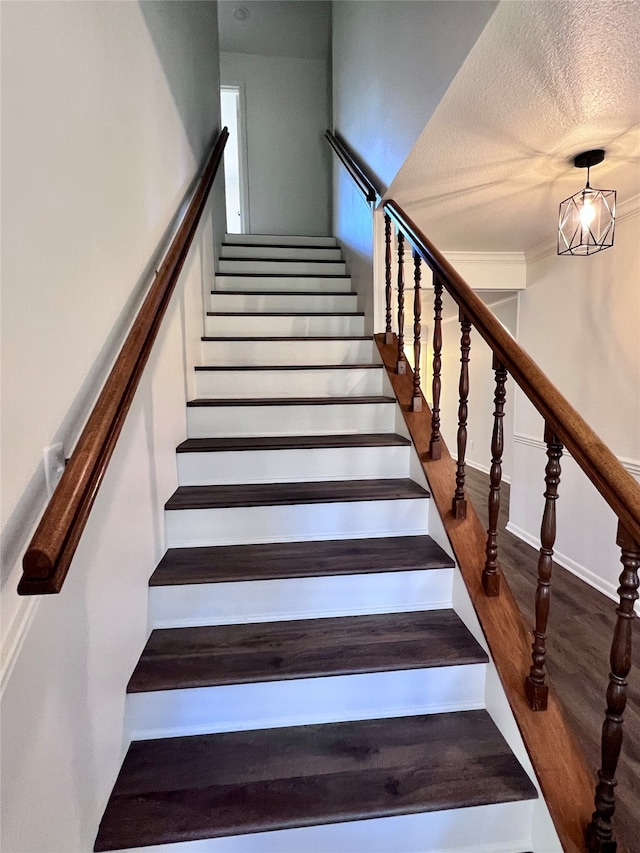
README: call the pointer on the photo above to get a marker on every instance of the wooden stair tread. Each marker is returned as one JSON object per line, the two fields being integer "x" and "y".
{"x": 285, "y": 313}
{"x": 284, "y": 292}
{"x": 244, "y": 367}
{"x": 292, "y": 442}
{"x": 289, "y": 338}
{"x": 180, "y": 789}
{"x": 282, "y": 274}
{"x": 205, "y": 656}
{"x": 285, "y": 494}
{"x": 211, "y": 564}
{"x": 284, "y": 260}
{"x": 289, "y": 401}
{"x": 283, "y": 246}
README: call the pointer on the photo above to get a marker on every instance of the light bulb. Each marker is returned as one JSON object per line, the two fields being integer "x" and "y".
{"x": 587, "y": 214}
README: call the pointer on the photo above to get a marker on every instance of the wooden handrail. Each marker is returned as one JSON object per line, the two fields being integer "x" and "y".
{"x": 48, "y": 557}
{"x": 611, "y": 479}
{"x": 362, "y": 181}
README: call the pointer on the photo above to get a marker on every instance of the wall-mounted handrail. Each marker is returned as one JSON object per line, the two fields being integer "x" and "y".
{"x": 609, "y": 476}
{"x": 49, "y": 554}
{"x": 364, "y": 183}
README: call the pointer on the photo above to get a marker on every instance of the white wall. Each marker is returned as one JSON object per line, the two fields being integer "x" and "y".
{"x": 287, "y": 113}
{"x": 580, "y": 320}
{"x": 108, "y": 108}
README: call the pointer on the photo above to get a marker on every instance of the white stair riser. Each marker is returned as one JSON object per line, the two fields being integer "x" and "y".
{"x": 299, "y": 598}
{"x": 287, "y": 326}
{"x": 280, "y": 240}
{"x": 303, "y": 253}
{"x": 291, "y": 466}
{"x": 308, "y": 302}
{"x": 314, "y": 382}
{"x": 238, "y": 352}
{"x": 495, "y": 828}
{"x": 334, "y": 418}
{"x": 304, "y": 701}
{"x": 286, "y": 267}
{"x": 298, "y": 522}
{"x": 282, "y": 282}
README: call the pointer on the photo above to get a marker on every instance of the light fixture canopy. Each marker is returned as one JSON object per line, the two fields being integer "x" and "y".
{"x": 587, "y": 219}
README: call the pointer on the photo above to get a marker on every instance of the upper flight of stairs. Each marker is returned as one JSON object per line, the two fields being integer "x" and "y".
{"x": 306, "y": 685}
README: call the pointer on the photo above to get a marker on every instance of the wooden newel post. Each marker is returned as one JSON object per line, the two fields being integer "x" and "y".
{"x": 388, "y": 334}
{"x": 490, "y": 576}
{"x": 599, "y": 833}
{"x": 435, "y": 445}
{"x": 535, "y": 688}
{"x": 416, "y": 399}
{"x": 459, "y": 504}
{"x": 401, "y": 364}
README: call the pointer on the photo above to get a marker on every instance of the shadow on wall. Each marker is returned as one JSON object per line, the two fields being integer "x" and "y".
{"x": 174, "y": 33}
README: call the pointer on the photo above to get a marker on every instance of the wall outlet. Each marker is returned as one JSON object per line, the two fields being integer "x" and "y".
{"x": 470, "y": 444}
{"x": 54, "y": 463}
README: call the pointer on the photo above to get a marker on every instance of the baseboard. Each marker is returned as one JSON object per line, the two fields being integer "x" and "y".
{"x": 478, "y": 466}
{"x": 580, "y": 571}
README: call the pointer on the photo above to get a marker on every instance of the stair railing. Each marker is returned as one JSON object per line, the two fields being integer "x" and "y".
{"x": 49, "y": 554}
{"x": 564, "y": 428}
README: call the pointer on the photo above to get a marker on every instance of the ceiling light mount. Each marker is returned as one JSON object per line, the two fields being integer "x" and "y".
{"x": 587, "y": 219}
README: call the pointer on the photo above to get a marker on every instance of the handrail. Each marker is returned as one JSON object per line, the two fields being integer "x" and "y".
{"x": 49, "y": 554}
{"x": 564, "y": 427}
{"x": 362, "y": 181}
{"x": 609, "y": 476}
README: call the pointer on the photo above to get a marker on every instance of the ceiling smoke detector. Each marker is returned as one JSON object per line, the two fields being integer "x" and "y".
{"x": 241, "y": 13}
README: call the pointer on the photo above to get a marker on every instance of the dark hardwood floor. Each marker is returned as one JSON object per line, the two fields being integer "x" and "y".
{"x": 580, "y": 631}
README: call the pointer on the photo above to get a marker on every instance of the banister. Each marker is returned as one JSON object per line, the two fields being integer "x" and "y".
{"x": 49, "y": 554}
{"x": 611, "y": 479}
{"x": 363, "y": 181}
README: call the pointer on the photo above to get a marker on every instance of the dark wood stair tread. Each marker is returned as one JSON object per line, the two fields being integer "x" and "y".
{"x": 245, "y": 367}
{"x": 286, "y": 494}
{"x": 289, "y": 401}
{"x": 285, "y": 261}
{"x": 283, "y": 274}
{"x": 205, "y": 656}
{"x": 285, "y": 313}
{"x": 290, "y": 338}
{"x": 204, "y": 786}
{"x": 221, "y": 564}
{"x": 281, "y": 246}
{"x": 284, "y": 292}
{"x": 292, "y": 442}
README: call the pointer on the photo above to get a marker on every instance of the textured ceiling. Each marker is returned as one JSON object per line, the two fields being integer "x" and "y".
{"x": 276, "y": 28}
{"x": 545, "y": 80}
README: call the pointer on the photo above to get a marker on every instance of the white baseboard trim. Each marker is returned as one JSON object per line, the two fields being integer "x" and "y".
{"x": 572, "y": 566}
{"x": 486, "y": 469}
{"x": 16, "y": 635}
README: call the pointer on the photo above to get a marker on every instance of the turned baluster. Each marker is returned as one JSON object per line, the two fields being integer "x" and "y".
{"x": 388, "y": 334}
{"x": 599, "y": 834}
{"x": 416, "y": 400}
{"x": 490, "y": 576}
{"x": 401, "y": 365}
{"x": 534, "y": 687}
{"x": 459, "y": 504}
{"x": 435, "y": 445}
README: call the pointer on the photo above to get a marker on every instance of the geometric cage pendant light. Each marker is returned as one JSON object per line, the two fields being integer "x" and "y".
{"x": 587, "y": 219}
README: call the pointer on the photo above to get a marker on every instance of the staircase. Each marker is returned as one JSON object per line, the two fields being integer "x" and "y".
{"x": 307, "y": 685}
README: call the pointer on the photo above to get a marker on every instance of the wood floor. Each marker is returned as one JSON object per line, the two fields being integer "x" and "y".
{"x": 580, "y": 630}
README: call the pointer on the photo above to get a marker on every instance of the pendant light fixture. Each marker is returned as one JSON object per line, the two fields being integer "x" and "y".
{"x": 587, "y": 219}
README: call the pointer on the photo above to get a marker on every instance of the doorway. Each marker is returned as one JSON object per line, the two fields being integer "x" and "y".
{"x": 235, "y": 160}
